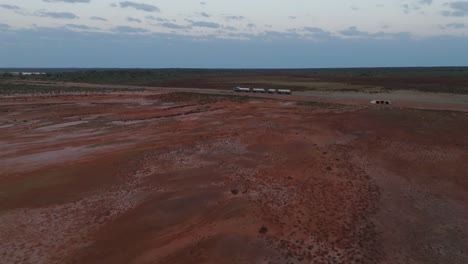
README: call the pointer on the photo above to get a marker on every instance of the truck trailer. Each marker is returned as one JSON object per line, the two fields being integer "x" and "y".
{"x": 261, "y": 90}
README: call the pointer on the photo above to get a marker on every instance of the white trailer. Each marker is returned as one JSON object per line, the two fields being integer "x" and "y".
{"x": 283, "y": 91}
{"x": 241, "y": 89}
{"x": 259, "y": 90}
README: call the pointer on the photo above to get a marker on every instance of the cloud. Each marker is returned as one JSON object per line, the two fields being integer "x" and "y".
{"x": 10, "y": 7}
{"x": 415, "y": 6}
{"x": 455, "y": 26}
{"x": 316, "y": 32}
{"x": 204, "y": 14}
{"x": 426, "y": 2}
{"x": 174, "y": 26}
{"x": 67, "y": 1}
{"x": 231, "y": 28}
{"x": 4, "y": 26}
{"x": 81, "y": 27}
{"x": 205, "y": 24}
{"x": 228, "y": 18}
{"x": 133, "y": 20}
{"x": 139, "y": 6}
{"x": 353, "y": 32}
{"x": 408, "y": 8}
{"x": 277, "y": 36}
{"x": 57, "y": 15}
{"x": 459, "y": 9}
{"x": 98, "y": 18}
{"x": 157, "y": 19}
{"x": 128, "y": 30}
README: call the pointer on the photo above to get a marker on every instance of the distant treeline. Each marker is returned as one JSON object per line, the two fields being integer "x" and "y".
{"x": 21, "y": 88}
{"x": 155, "y": 74}
{"x": 128, "y": 76}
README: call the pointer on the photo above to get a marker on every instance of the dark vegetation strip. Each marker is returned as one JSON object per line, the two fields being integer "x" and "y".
{"x": 115, "y": 75}
{"x": 437, "y": 79}
{"x": 11, "y": 89}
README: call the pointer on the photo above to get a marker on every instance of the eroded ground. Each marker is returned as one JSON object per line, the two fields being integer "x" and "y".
{"x": 158, "y": 177}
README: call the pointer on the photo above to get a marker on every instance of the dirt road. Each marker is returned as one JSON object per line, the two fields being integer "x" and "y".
{"x": 403, "y": 98}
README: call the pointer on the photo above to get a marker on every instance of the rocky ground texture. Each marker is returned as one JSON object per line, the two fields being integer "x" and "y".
{"x": 164, "y": 177}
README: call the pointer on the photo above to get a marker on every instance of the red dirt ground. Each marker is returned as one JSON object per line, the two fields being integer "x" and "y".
{"x": 158, "y": 177}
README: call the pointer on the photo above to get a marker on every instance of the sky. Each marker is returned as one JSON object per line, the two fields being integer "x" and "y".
{"x": 233, "y": 34}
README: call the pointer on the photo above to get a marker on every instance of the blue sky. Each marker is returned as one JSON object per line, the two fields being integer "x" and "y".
{"x": 233, "y": 34}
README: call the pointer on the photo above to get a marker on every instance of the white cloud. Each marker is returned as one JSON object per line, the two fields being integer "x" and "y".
{"x": 458, "y": 9}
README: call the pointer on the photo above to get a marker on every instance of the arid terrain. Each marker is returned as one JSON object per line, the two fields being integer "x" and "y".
{"x": 177, "y": 177}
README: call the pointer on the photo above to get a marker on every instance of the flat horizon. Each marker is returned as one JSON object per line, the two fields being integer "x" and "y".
{"x": 182, "y": 68}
